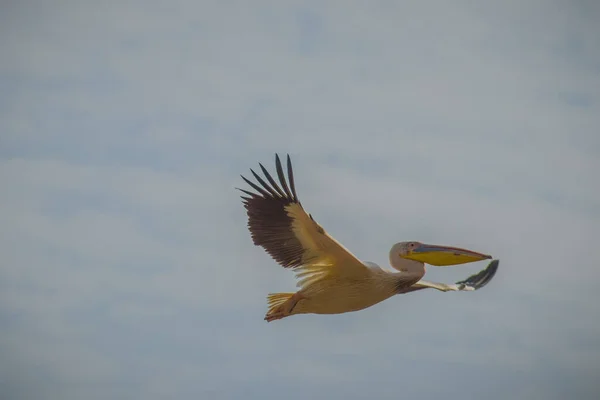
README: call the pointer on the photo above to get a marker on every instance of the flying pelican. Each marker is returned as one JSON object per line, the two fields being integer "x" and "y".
{"x": 332, "y": 280}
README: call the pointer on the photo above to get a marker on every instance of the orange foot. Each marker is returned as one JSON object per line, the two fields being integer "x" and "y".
{"x": 285, "y": 309}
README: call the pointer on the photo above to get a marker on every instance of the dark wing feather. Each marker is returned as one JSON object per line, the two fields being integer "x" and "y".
{"x": 483, "y": 277}
{"x": 476, "y": 281}
{"x": 269, "y": 223}
{"x": 277, "y": 222}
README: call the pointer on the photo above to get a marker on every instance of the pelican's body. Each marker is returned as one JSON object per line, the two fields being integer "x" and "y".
{"x": 339, "y": 295}
{"x": 331, "y": 279}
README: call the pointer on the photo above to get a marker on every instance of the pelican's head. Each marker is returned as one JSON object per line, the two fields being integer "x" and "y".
{"x": 435, "y": 254}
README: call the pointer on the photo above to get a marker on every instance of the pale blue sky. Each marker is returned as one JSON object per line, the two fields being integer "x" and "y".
{"x": 127, "y": 272}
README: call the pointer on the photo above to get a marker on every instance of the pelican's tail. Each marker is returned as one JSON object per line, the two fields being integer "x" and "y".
{"x": 278, "y": 305}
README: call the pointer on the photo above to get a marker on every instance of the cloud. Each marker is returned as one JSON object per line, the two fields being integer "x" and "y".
{"x": 127, "y": 270}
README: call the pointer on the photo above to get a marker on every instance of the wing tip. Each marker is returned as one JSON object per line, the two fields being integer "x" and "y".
{"x": 272, "y": 190}
{"x": 483, "y": 277}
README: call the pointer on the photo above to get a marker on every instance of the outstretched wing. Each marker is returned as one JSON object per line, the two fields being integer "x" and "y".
{"x": 481, "y": 278}
{"x": 473, "y": 282}
{"x": 278, "y": 223}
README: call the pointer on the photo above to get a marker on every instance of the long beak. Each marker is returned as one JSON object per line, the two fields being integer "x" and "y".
{"x": 444, "y": 255}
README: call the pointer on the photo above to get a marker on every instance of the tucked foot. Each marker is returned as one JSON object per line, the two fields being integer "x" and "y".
{"x": 275, "y": 314}
{"x": 281, "y": 308}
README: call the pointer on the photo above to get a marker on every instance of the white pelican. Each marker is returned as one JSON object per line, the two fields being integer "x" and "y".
{"x": 332, "y": 280}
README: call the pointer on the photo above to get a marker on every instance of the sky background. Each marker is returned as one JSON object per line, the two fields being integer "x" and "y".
{"x": 127, "y": 271}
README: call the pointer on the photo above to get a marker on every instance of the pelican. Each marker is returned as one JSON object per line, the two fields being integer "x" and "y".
{"x": 331, "y": 279}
